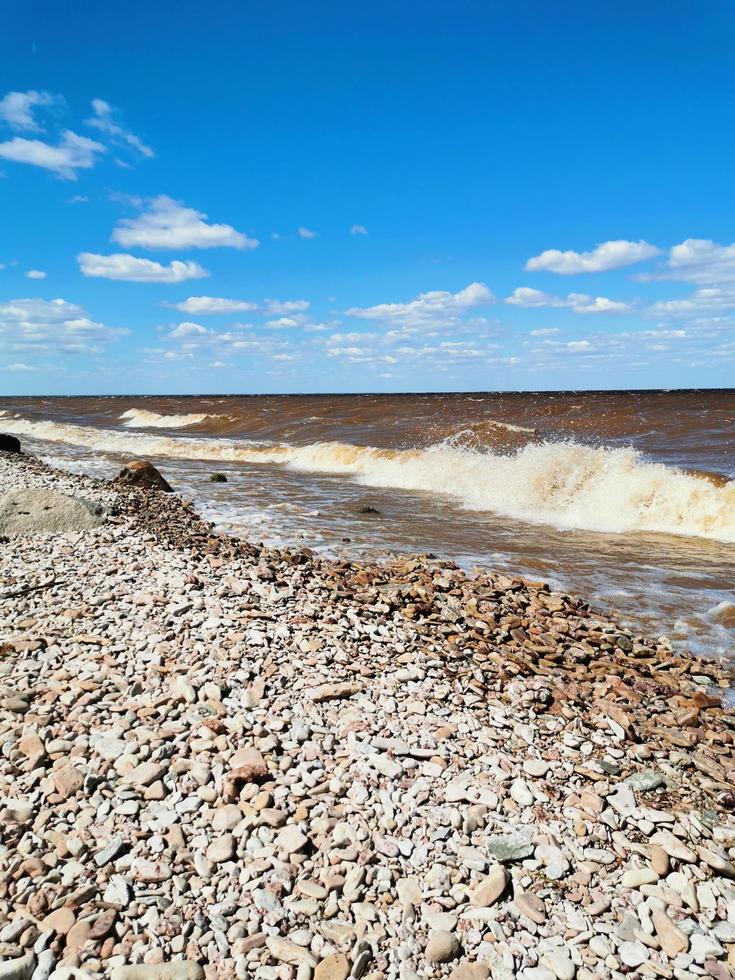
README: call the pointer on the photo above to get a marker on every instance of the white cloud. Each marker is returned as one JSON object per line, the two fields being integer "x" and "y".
{"x": 128, "y": 268}
{"x": 358, "y": 230}
{"x": 708, "y": 299}
{"x": 306, "y": 233}
{"x": 51, "y": 326}
{"x": 698, "y": 260}
{"x": 545, "y": 332}
{"x": 285, "y": 322}
{"x": 578, "y": 302}
{"x": 284, "y": 357}
{"x": 103, "y": 120}
{"x": 79, "y": 199}
{"x": 73, "y": 153}
{"x": 608, "y": 255}
{"x": 432, "y": 307}
{"x": 204, "y": 305}
{"x": 35, "y": 274}
{"x": 529, "y": 298}
{"x": 169, "y": 224}
{"x": 277, "y": 306}
{"x": 16, "y": 108}
{"x": 188, "y": 329}
{"x": 349, "y": 352}
{"x": 18, "y": 366}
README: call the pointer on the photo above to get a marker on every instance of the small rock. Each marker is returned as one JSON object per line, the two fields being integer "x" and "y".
{"x": 442, "y": 947}
{"x": 334, "y": 967}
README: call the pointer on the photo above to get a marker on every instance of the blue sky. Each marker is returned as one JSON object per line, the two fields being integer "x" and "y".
{"x": 284, "y": 197}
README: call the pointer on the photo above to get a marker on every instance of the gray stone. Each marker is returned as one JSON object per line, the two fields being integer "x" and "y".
{"x": 509, "y": 847}
{"x": 648, "y": 779}
{"x": 28, "y": 511}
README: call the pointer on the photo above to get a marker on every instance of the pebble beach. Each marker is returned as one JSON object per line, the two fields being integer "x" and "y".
{"x": 220, "y": 760}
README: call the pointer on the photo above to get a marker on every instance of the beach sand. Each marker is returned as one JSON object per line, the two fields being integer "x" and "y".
{"x": 259, "y": 763}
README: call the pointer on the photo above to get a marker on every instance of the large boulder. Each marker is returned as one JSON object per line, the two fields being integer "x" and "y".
{"x": 40, "y": 511}
{"x": 142, "y": 474}
{"x": 9, "y": 444}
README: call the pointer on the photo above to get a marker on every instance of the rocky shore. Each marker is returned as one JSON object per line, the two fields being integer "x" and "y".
{"x": 218, "y": 761}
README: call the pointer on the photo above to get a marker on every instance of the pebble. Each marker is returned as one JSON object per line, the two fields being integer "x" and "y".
{"x": 442, "y": 947}
{"x": 224, "y": 760}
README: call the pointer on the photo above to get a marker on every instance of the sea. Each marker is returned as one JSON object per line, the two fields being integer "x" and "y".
{"x": 624, "y": 498}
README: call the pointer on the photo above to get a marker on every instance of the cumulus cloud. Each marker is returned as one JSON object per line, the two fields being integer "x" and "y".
{"x": 277, "y": 306}
{"x": 358, "y": 230}
{"x": 529, "y": 298}
{"x": 104, "y": 121}
{"x": 128, "y": 268}
{"x": 35, "y": 274}
{"x": 188, "y": 329}
{"x": 578, "y": 302}
{"x": 428, "y": 308}
{"x": 698, "y": 260}
{"x": 286, "y": 322}
{"x": 16, "y": 108}
{"x": 205, "y": 305}
{"x": 165, "y": 223}
{"x": 72, "y": 153}
{"x": 52, "y": 326}
{"x": 708, "y": 299}
{"x": 305, "y": 233}
{"x": 607, "y": 255}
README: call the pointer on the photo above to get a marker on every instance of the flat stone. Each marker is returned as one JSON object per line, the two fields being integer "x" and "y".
{"x": 531, "y": 906}
{"x": 509, "y": 847}
{"x": 291, "y": 839}
{"x": 227, "y": 817}
{"x": 334, "y": 967}
{"x": 646, "y": 780}
{"x": 20, "y": 968}
{"x": 674, "y": 847}
{"x": 442, "y": 947}
{"x": 487, "y": 891}
{"x": 560, "y": 963}
{"x": 222, "y": 849}
{"x": 287, "y": 952}
{"x": 669, "y": 935}
{"x": 175, "y": 970}
{"x": 467, "y": 970}
{"x": 633, "y": 953}
{"x": 60, "y": 920}
{"x": 144, "y": 774}
{"x": 68, "y": 781}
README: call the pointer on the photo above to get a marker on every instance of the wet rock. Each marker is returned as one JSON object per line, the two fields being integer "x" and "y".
{"x": 143, "y": 475}
{"x": 218, "y": 478}
{"x": 9, "y": 444}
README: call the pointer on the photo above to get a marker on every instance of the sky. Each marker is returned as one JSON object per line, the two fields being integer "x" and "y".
{"x": 244, "y": 197}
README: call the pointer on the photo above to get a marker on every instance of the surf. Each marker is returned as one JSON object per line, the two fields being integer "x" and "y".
{"x": 563, "y": 483}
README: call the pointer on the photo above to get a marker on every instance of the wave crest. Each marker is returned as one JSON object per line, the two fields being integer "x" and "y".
{"x": 141, "y": 418}
{"x": 566, "y": 484}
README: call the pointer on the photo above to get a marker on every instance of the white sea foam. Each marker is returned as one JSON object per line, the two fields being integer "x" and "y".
{"x": 139, "y": 418}
{"x": 565, "y": 484}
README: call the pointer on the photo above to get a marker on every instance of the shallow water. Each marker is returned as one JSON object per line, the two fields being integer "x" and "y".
{"x": 625, "y": 498}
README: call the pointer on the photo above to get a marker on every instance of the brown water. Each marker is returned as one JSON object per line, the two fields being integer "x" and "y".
{"x": 624, "y": 497}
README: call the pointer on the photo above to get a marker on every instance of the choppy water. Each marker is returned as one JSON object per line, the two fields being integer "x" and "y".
{"x": 626, "y": 498}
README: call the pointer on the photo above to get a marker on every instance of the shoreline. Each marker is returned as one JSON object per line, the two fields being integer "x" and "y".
{"x": 272, "y": 764}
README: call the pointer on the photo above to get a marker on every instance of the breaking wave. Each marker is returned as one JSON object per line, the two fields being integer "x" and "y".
{"x": 566, "y": 484}
{"x": 139, "y": 418}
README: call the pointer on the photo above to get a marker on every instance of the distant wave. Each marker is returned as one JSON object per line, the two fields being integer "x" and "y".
{"x": 569, "y": 485}
{"x": 139, "y": 418}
